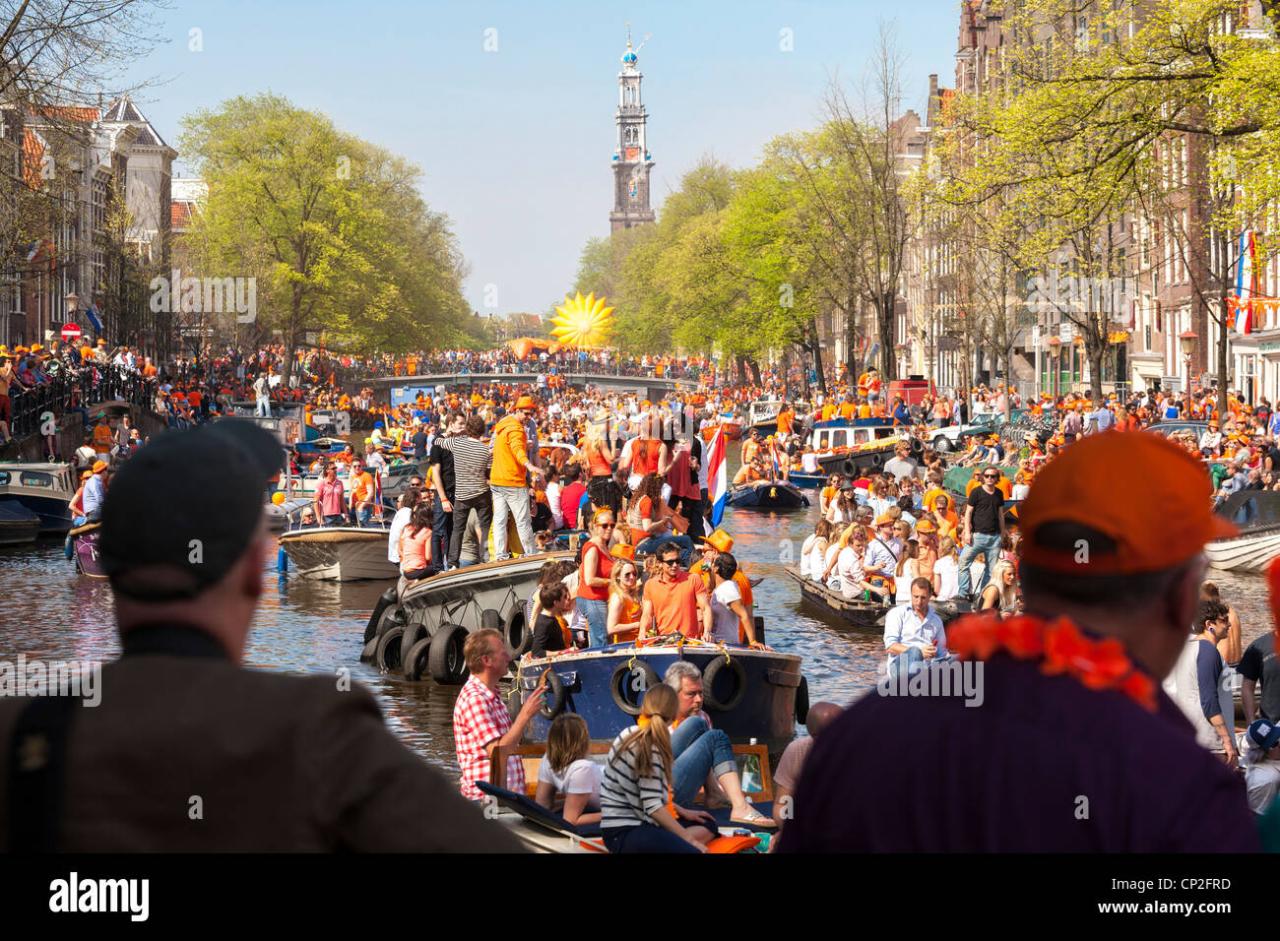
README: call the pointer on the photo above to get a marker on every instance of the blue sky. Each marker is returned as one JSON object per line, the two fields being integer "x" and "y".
{"x": 515, "y": 144}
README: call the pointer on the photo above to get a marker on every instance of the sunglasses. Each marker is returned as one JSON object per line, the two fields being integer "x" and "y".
{"x": 675, "y": 561}
{"x": 606, "y": 525}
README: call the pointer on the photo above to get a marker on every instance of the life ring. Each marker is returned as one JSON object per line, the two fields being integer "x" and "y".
{"x": 551, "y": 707}
{"x": 802, "y": 700}
{"x": 708, "y": 684}
{"x": 515, "y": 630}
{"x": 620, "y": 673}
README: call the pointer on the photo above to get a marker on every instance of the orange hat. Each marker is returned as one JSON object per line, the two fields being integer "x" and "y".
{"x": 99, "y": 466}
{"x": 525, "y": 401}
{"x": 720, "y": 541}
{"x": 86, "y": 475}
{"x": 926, "y": 526}
{"x": 1170, "y": 524}
{"x": 884, "y": 519}
{"x": 101, "y": 342}
{"x": 624, "y": 551}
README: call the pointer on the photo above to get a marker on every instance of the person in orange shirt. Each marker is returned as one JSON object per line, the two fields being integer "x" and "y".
{"x": 361, "y": 486}
{"x": 674, "y": 602}
{"x": 509, "y": 477}
{"x": 786, "y": 419}
{"x": 828, "y": 411}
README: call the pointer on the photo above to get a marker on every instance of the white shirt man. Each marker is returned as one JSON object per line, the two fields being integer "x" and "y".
{"x": 849, "y": 570}
{"x": 398, "y": 523}
{"x": 915, "y": 625}
{"x": 883, "y": 552}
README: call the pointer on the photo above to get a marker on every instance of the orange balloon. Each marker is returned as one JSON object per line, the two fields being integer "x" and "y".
{"x": 278, "y": 497}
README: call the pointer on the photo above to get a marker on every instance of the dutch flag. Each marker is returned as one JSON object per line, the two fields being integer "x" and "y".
{"x": 717, "y": 481}
{"x": 1246, "y": 282}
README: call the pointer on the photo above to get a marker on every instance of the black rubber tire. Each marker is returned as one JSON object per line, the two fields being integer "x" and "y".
{"x": 917, "y": 447}
{"x": 445, "y": 661}
{"x": 849, "y": 468}
{"x": 621, "y": 671}
{"x": 491, "y": 619}
{"x": 758, "y": 622}
{"x": 367, "y": 653}
{"x": 415, "y": 661}
{"x": 387, "y": 655}
{"x": 554, "y": 701}
{"x": 876, "y": 461}
{"x": 942, "y": 444}
{"x": 802, "y": 701}
{"x": 412, "y": 633}
{"x": 516, "y": 632}
{"x": 708, "y": 680}
{"x": 379, "y": 620}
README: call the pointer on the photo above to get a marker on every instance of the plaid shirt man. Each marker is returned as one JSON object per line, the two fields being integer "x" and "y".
{"x": 480, "y": 718}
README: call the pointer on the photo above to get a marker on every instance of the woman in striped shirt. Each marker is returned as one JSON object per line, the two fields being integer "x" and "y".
{"x": 638, "y": 816}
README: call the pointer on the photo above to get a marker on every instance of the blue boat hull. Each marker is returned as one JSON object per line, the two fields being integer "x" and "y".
{"x": 807, "y": 481}
{"x": 53, "y": 512}
{"x": 598, "y": 682}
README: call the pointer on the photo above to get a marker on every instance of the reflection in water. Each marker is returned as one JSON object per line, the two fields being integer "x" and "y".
{"x": 318, "y": 627}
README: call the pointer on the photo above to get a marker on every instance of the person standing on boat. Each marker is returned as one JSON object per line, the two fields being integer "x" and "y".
{"x": 593, "y": 577}
{"x": 329, "y": 503}
{"x": 95, "y": 491}
{"x": 471, "y": 459}
{"x": 440, "y": 471}
{"x": 361, "y": 482}
{"x": 480, "y": 716}
{"x": 509, "y": 478}
{"x": 1075, "y": 748}
{"x": 902, "y": 465}
{"x": 982, "y": 529}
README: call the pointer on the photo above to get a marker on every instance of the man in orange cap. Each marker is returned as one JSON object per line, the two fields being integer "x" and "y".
{"x": 1075, "y": 748}
{"x": 509, "y": 478}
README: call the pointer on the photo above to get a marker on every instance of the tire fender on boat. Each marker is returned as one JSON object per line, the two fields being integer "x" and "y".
{"x": 555, "y": 686}
{"x": 387, "y": 655}
{"x": 620, "y": 673}
{"x": 516, "y": 632}
{"x": 849, "y": 468}
{"x": 708, "y": 683}
{"x": 444, "y": 659}
{"x": 377, "y": 622}
{"x": 802, "y": 700}
{"x": 414, "y": 663}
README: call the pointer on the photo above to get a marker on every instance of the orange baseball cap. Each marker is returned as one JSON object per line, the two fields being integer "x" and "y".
{"x": 526, "y": 401}
{"x": 1167, "y": 524}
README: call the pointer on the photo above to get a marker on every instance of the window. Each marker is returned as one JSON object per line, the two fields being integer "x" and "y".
{"x": 36, "y": 480}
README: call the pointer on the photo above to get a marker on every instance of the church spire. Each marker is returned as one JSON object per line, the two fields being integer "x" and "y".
{"x": 631, "y": 159}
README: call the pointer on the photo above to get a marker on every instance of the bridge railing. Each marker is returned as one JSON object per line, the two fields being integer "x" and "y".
{"x": 72, "y": 388}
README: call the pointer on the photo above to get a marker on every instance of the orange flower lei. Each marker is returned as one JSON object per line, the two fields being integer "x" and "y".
{"x": 1098, "y": 664}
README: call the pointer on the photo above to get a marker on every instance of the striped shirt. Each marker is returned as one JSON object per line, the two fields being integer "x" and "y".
{"x": 471, "y": 458}
{"x": 626, "y": 798}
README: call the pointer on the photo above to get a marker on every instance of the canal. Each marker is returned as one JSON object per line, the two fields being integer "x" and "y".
{"x": 317, "y": 627}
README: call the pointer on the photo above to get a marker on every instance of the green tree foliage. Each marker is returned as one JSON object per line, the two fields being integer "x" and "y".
{"x": 332, "y": 227}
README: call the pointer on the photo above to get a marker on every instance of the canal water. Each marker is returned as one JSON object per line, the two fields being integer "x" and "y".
{"x": 317, "y": 627}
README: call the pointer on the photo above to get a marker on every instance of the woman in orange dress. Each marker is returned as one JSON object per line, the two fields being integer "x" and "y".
{"x": 624, "y": 599}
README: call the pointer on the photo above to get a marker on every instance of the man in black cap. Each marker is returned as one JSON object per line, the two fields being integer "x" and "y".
{"x": 188, "y": 751}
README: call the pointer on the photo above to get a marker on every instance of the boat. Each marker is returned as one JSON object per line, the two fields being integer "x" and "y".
{"x": 857, "y": 614}
{"x": 753, "y": 695}
{"x": 762, "y": 415}
{"x": 318, "y": 447}
{"x": 859, "y": 446}
{"x": 768, "y": 495}
{"x": 340, "y": 553}
{"x": 282, "y": 516}
{"x": 84, "y": 541}
{"x": 807, "y": 481}
{"x": 542, "y": 830}
{"x": 1257, "y": 514}
{"x": 45, "y": 489}
{"x": 731, "y": 424}
{"x": 18, "y": 525}
{"x": 419, "y": 627}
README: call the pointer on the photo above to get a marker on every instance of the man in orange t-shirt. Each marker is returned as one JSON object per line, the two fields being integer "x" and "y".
{"x": 361, "y": 488}
{"x": 674, "y": 602}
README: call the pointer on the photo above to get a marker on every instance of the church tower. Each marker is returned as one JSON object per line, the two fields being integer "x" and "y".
{"x": 631, "y": 161}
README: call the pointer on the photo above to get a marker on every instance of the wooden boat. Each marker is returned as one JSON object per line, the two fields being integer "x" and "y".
{"x": 45, "y": 489}
{"x": 419, "y": 627}
{"x": 85, "y": 547}
{"x": 731, "y": 424}
{"x": 542, "y": 830}
{"x": 857, "y": 614}
{"x": 340, "y": 553}
{"x": 749, "y": 694}
{"x": 768, "y": 495}
{"x": 18, "y": 525}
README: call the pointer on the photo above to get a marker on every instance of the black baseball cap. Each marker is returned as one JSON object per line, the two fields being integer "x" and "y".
{"x": 183, "y": 510}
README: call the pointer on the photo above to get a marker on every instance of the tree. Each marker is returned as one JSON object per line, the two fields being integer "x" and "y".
{"x": 334, "y": 226}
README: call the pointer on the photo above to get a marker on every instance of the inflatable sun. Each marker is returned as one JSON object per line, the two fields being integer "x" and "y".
{"x": 583, "y": 323}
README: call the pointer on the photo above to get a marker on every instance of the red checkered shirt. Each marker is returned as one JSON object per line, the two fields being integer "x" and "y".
{"x": 480, "y": 718}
